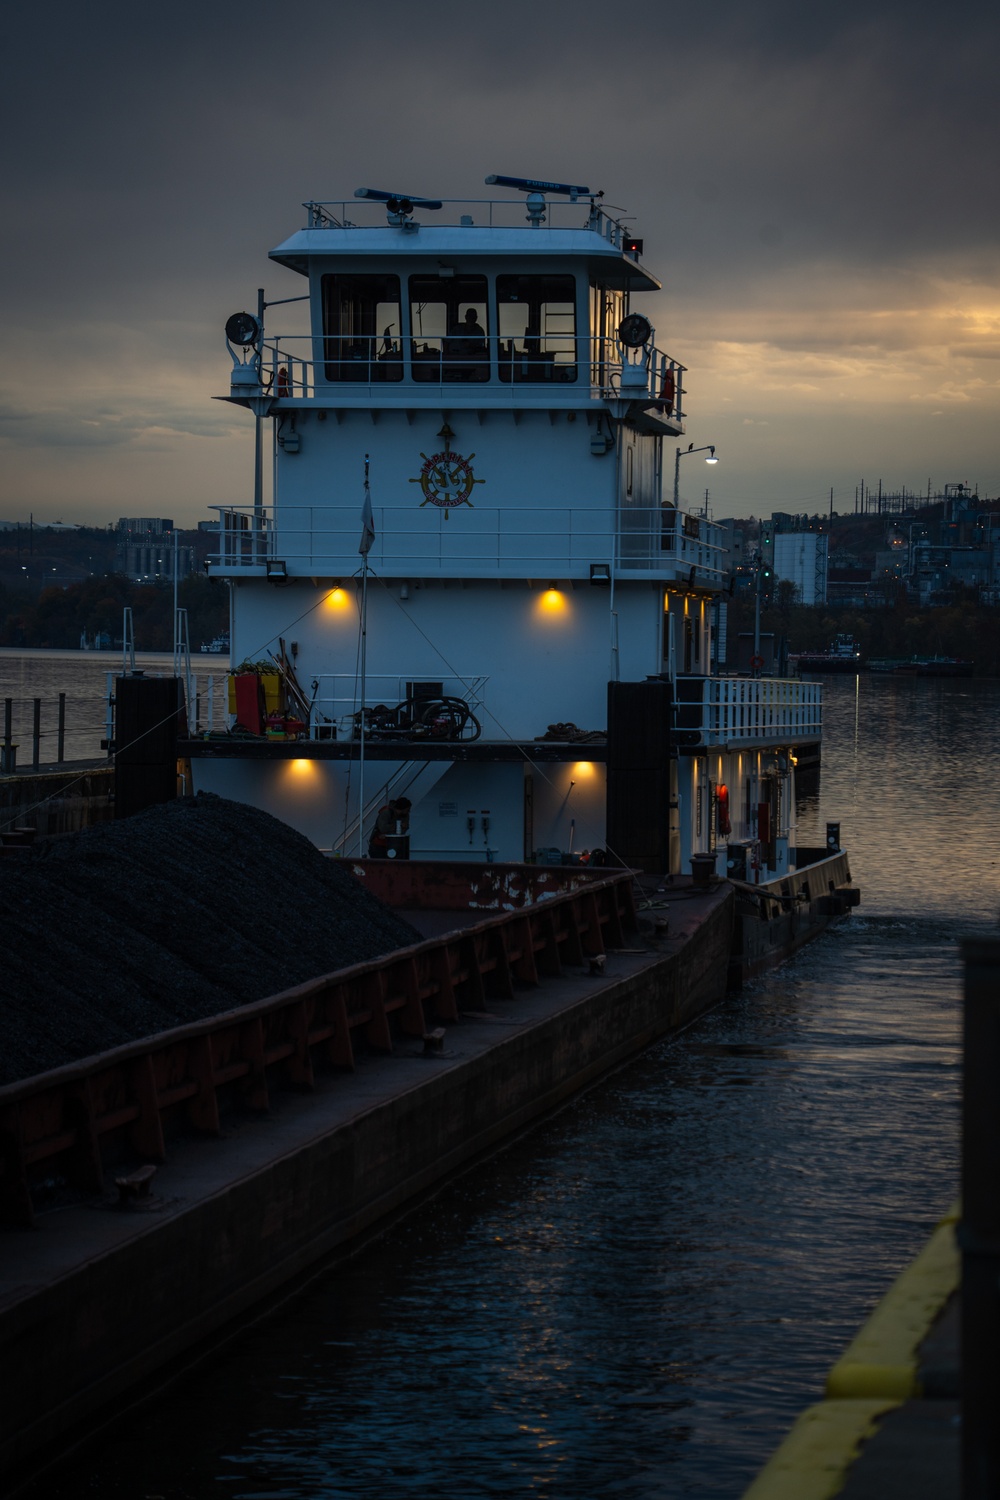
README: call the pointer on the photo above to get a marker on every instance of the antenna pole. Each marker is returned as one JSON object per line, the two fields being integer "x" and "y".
{"x": 258, "y": 448}
{"x": 364, "y": 676}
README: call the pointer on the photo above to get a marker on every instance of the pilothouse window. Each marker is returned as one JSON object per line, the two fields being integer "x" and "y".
{"x": 448, "y": 328}
{"x": 536, "y": 326}
{"x": 361, "y": 323}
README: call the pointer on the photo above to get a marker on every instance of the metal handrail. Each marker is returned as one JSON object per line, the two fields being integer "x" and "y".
{"x": 352, "y": 214}
{"x": 384, "y": 365}
{"x": 491, "y": 539}
{"x": 718, "y": 711}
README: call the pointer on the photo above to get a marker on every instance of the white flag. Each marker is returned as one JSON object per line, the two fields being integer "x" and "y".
{"x": 367, "y": 523}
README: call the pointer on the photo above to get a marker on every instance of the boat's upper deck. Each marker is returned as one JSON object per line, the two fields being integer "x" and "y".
{"x": 581, "y": 233}
{"x": 498, "y": 302}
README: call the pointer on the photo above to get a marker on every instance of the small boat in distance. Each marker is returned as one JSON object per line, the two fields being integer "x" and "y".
{"x": 843, "y": 656}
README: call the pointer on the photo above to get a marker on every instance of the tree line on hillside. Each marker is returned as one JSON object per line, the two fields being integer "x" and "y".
{"x": 61, "y": 617}
{"x": 965, "y": 629}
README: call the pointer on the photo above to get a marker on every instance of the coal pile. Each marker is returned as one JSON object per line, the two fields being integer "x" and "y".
{"x": 183, "y": 911}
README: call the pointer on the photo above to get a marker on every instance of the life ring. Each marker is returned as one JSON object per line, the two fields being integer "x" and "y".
{"x": 756, "y": 662}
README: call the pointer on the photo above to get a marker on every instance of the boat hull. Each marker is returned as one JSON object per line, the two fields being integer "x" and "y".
{"x": 776, "y": 918}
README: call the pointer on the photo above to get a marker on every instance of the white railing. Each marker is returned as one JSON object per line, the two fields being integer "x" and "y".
{"x": 557, "y": 364}
{"x": 336, "y": 700}
{"x": 719, "y": 711}
{"x": 582, "y": 212}
{"x": 476, "y": 541}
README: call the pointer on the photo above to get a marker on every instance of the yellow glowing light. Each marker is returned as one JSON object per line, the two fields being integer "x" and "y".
{"x": 302, "y": 767}
{"x": 337, "y": 599}
{"x": 552, "y": 603}
{"x": 582, "y": 769}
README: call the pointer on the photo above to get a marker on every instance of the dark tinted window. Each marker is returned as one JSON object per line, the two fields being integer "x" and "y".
{"x": 448, "y": 328}
{"x": 536, "y": 328}
{"x": 361, "y": 324}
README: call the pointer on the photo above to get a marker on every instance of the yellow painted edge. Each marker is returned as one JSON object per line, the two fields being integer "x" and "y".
{"x": 881, "y": 1359}
{"x": 812, "y": 1462}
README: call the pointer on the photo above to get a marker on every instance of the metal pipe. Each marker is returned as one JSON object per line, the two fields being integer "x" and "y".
{"x": 61, "y": 739}
{"x": 36, "y": 733}
{"x": 979, "y": 1230}
{"x": 8, "y": 751}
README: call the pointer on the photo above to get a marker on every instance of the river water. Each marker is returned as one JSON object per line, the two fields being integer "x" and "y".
{"x": 637, "y": 1298}
{"x": 85, "y": 677}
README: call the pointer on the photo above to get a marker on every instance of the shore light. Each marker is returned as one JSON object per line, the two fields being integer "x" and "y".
{"x": 712, "y": 458}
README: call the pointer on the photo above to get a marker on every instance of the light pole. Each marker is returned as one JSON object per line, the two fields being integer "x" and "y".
{"x": 708, "y": 448}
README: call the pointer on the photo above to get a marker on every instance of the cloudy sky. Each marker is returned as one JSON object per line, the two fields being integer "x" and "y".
{"x": 816, "y": 187}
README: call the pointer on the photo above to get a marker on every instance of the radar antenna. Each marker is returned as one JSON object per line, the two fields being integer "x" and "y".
{"x": 535, "y": 185}
{"x": 536, "y": 190}
{"x": 398, "y": 206}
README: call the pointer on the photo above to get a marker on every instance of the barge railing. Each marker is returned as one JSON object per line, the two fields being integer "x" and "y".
{"x": 121, "y": 1106}
{"x": 729, "y": 712}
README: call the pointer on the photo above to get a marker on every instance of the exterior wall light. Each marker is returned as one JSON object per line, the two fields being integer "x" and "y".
{"x": 553, "y": 601}
{"x": 600, "y": 573}
{"x": 275, "y": 569}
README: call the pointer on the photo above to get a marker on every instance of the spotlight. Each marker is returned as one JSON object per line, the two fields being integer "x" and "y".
{"x": 600, "y": 573}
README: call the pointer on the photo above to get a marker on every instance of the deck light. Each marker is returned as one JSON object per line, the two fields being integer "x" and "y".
{"x": 600, "y": 573}
{"x": 275, "y": 568}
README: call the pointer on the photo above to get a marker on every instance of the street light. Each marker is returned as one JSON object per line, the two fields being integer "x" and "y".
{"x": 708, "y": 448}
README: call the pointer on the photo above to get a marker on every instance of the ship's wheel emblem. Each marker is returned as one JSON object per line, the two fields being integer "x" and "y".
{"x": 446, "y": 478}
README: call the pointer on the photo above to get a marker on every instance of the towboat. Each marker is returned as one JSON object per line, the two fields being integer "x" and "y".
{"x": 844, "y": 655}
{"x": 474, "y": 621}
{"x": 217, "y": 646}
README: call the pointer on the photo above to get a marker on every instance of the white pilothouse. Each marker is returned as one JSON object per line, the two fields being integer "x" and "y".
{"x": 520, "y": 635}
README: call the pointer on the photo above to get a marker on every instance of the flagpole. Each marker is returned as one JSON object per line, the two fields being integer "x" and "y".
{"x": 367, "y": 537}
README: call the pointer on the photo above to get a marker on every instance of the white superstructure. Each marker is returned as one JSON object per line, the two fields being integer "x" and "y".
{"x": 488, "y": 367}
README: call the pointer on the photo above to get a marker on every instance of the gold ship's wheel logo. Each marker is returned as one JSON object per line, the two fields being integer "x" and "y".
{"x": 446, "y": 478}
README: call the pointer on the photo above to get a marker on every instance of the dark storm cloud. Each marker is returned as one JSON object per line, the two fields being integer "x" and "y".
{"x": 765, "y": 133}
{"x": 806, "y": 176}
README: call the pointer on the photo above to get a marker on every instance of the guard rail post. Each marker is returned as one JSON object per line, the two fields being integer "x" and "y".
{"x": 36, "y": 733}
{"x": 979, "y": 1230}
{"x": 8, "y": 751}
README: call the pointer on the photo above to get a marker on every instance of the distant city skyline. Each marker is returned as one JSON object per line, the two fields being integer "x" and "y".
{"x": 811, "y": 186}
